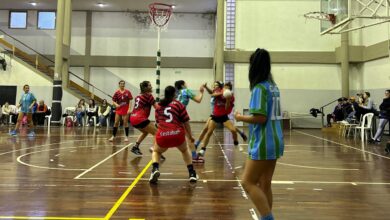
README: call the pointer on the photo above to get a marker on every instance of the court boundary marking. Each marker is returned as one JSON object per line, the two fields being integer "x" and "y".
{"x": 343, "y": 145}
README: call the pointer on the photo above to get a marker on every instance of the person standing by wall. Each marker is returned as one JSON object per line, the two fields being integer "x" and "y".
{"x": 26, "y": 104}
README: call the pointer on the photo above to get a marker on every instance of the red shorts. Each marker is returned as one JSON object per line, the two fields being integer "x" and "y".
{"x": 134, "y": 120}
{"x": 122, "y": 110}
{"x": 170, "y": 138}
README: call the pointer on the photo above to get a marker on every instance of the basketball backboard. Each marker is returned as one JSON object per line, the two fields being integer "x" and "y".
{"x": 348, "y": 14}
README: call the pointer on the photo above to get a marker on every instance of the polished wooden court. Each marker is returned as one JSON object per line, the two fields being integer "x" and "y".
{"x": 75, "y": 173}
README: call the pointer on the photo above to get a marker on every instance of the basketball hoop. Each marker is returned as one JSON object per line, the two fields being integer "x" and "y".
{"x": 321, "y": 16}
{"x": 160, "y": 13}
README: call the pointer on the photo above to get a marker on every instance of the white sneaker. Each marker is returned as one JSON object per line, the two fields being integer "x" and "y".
{"x": 111, "y": 139}
{"x": 240, "y": 148}
{"x": 126, "y": 139}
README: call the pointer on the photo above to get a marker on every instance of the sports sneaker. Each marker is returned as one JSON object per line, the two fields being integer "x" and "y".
{"x": 111, "y": 139}
{"x": 136, "y": 151}
{"x": 126, "y": 139}
{"x": 240, "y": 148}
{"x": 13, "y": 133}
{"x": 201, "y": 153}
{"x": 198, "y": 160}
{"x": 31, "y": 134}
{"x": 193, "y": 177}
{"x": 243, "y": 136}
{"x": 154, "y": 176}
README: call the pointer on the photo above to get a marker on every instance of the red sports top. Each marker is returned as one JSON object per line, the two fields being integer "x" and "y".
{"x": 219, "y": 106}
{"x": 172, "y": 116}
{"x": 122, "y": 99}
{"x": 141, "y": 111}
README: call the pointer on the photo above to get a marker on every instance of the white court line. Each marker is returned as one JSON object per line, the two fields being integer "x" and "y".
{"x": 317, "y": 168}
{"x": 83, "y": 173}
{"x": 344, "y": 145}
{"x": 19, "y": 159}
{"x": 27, "y": 148}
{"x": 276, "y": 182}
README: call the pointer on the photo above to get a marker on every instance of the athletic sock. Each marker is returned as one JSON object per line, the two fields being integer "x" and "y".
{"x": 197, "y": 144}
{"x": 268, "y": 217}
{"x": 155, "y": 166}
{"x": 114, "y": 131}
{"x": 235, "y": 143}
{"x": 203, "y": 148}
{"x": 127, "y": 131}
{"x": 193, "y": 154}
{"x": 190, "y": 168}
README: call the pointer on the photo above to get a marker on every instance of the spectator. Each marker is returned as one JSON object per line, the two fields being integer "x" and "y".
{"x": 80, "y": 112}
{"x": 103, "y": 113}
{"x": 91, "y": 111}
{"x": 384, "y": 117}
{"x": 368, "y": 105}
{"x": 337, "y": 114}
{"x": 40, "y": 113}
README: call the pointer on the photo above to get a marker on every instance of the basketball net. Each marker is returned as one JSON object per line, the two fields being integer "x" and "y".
{"x": 159, "y": 14}
{"x": 321, "y": 16}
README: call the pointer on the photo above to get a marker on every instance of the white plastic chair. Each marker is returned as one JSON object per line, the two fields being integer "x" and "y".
{"x": 48, "y": 117}
{"x": 13, "y": 110}
{"x": 365, "y": 125}
{"x": 70, "y": 111}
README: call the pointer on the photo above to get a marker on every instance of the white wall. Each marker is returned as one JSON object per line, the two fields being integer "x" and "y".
{"x": 123, "y": 34}
{"x": 19, "y": 74}
{"x": 279, "y": 25}
{"x": 43, "y": 41}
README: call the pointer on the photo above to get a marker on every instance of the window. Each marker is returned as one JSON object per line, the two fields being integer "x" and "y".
{"x": 46, "y": 20}
{"x": 18, "y": 19}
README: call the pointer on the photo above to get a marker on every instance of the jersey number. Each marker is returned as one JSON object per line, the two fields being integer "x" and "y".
{"x": 168, "y": 114}
{"x": 137, "y": 102}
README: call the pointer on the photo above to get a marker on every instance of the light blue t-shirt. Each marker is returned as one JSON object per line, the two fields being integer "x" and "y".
{"x": 266, "y": 140}
{"x": 184, "y": 96}
{"x": 25, "y": 102}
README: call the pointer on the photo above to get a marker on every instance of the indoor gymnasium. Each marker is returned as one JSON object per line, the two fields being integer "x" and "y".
{"x": 194, "y": 109}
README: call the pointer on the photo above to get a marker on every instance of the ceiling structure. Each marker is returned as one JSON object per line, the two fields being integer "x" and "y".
{"x": 189, "y": 6}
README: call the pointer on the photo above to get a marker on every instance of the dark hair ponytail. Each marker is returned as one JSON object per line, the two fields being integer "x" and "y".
{"x": 259, "y": 67}
{"x": 143, "y": 86}
{"x": 169, "y": 95}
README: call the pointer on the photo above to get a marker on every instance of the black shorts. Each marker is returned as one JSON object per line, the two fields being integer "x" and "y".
{"x": 220, "y": 119}
{"x": 142, "y": 124}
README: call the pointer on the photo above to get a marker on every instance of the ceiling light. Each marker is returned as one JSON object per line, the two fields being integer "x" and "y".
{"x": 101, "y": 4}
{"x": 173, "y": 6}
{"x": 33, "y": 3}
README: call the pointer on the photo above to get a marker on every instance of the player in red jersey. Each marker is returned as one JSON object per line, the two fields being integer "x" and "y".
{"x": 122, "y": 101}
{"x": 140, "y": 114}
{"x": 223, "y": 106}
{"x": 173, "y": 126}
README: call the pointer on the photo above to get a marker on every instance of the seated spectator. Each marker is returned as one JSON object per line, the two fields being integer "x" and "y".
{"x": 103, "y": 113}
{"x": 337, "y": 114}
{"x": 14, "y": 113}
{"x": 91, "y": 111}
{"x": 384, "y": 117}
{"x": 367, "y": 106}
{"x": 80, "y": 112}
{"x": 40, "y": 113}
{"x": 346, "y": 107}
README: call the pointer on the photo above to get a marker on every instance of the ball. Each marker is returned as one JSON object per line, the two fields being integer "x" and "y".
{"x": 227, "y": 93}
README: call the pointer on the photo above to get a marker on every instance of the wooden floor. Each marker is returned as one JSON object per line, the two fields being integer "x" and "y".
{"x": 75, "y": 173}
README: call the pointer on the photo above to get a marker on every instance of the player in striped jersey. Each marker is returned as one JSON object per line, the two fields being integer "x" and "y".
{"x": 266, "y": 137}
{"x": 122, "y": 102}
{"x": 140, "y": 114}
{"x": 217, "y": 91}
{"x": 223, "y": 106}
{"x": 173, "y": 127}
